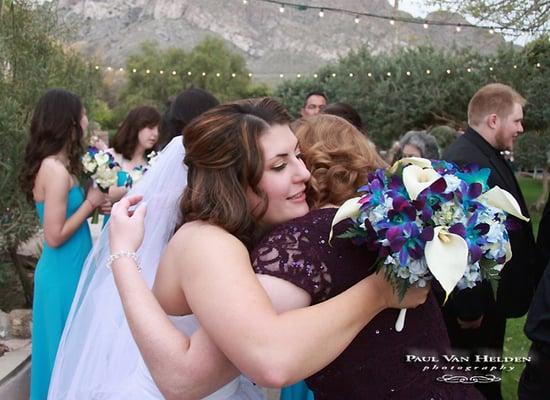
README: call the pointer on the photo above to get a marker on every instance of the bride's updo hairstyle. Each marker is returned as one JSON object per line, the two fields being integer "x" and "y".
{"x": 338, "y": 156}
{"x": 224, "y": 160}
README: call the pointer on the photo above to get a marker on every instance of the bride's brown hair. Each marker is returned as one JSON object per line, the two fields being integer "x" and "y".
{"x": 338, "y": 156}
{"x": 224, "y": 157}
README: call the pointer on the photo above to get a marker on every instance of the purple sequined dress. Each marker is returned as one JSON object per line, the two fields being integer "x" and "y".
{"x": 374, "y": 366}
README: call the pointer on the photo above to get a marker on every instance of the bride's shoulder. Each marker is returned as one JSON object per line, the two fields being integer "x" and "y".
{"x": 199, "y": 235}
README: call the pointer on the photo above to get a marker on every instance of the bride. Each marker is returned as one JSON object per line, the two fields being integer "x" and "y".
{"x": 239, "y": 154}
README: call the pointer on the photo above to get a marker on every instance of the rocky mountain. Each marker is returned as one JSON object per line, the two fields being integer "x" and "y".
{"x": 295, "y": 41}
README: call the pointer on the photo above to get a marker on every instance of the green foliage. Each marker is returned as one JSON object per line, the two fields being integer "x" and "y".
{"x": 32, "y": 59}
{"x": 424, "y": 88}
{"x": 519, "y": 14}
{"x": 210, "y": 66}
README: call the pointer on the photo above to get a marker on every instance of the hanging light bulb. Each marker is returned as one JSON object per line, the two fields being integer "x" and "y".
{"x": 282, "y": 8}
{"x": 245, "y": 2}
{"x": 321, "y": 13}
{"x": 458, "y": 28}
{"x": 491, "y": 31}
{"x": 173, "y": 72}
{"x": 356, "y": 19}
{"x": 392, "y": 22}
{"x": 425, "y": 25}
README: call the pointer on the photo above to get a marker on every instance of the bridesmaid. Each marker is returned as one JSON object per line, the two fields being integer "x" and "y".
{"x": 51, "y": 165}
{"x": 134, "y": 140}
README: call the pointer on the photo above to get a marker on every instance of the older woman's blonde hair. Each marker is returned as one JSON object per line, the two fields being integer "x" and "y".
{"x": 338, "y": 156}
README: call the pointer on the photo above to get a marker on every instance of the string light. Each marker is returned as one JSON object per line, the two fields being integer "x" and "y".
{"x": 334, "y": 74}
{"x": 97, "y": 67}
{"x": 233, "y": 75}
{"x": 351, "y": 74}
{"x": 134, "y": 70}
{"x": 469, "y": 69}
{"x": 388, "y": 73}
{"x": 282, "y": 8}
{"x": 148, "y": 71}
{"x": 538, "y": 65}
{"x": 315, "y": 75}
{"x": 189, "y": 73}
{"x": 369, "y": 75}
{"x": 161, "y": 72}
{"x": 408, "y": 73}
{"x": 428, "y": 72}
{"x": 204, "y": 74}
{"x": 281, "y": 76}
{"x": 393, "y": 19}
{"x": 448, "y": 72}
{"x": 491, "y": 69}
{"x": 298, "y": 76}
{"x": 173, "y": 72}
{"x": 109, "y": 69}
{"x": 245, "y": 2}
{"x": 121, "y": 69}
{"x": 250, "y": 74}
{"x": 217, "y": 74}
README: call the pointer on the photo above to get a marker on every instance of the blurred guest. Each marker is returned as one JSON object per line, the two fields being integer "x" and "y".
{"x": 314, "y": 104}
{"x": 186, "y": 106}
{"x": 419, "y": 144}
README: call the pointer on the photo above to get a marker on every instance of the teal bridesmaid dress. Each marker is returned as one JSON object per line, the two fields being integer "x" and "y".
{"x": 55, "y": 281}
{"x": 298, "y": 391}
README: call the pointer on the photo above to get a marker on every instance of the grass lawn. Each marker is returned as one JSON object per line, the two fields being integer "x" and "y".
{"x": 515, "y": 342}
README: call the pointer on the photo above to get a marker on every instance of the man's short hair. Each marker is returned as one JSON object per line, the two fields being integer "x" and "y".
{"x": 316, "y": 93}
{"x": 495, "y": 98}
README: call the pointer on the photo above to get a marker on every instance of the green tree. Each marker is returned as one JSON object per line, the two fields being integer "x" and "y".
{"x": 162, "y": 73}
{"x": 528, "y": 15}
{"x": 32, "y": 59}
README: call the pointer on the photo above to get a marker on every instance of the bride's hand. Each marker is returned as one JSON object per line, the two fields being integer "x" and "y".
{"x": 414, "y": 296}
{"x": 126, "y": 228}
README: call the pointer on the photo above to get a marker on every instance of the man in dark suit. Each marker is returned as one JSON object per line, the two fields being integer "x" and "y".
{"x": 476, "y": 321}
{"x": 535, "y": 379}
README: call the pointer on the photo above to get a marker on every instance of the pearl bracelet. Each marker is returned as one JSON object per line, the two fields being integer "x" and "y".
{"x": 113, "y": 257}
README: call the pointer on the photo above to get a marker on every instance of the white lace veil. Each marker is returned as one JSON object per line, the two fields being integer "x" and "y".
{"x": 97, "y": 351}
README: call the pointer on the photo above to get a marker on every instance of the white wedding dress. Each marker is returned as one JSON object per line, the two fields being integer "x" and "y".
{"x": 97, "y": 356}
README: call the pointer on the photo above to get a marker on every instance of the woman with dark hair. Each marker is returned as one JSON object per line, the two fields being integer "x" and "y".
{"x": 186, "y": 106}
{"x": 49, "y": 180}
{"x": 344, "y": 110}
{"x": 245, "y": 175}
{"x": 132, "y": 144}
{"x": 374, "y": 365}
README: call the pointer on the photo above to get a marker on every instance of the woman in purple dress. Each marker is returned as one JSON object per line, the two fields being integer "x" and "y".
{"x": 380, "y": 363}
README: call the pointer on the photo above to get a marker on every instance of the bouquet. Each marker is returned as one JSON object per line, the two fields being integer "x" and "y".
{"x": 101, "y": 166}
{"x": 127, "y": 179}
{"x": 430, "y": 219}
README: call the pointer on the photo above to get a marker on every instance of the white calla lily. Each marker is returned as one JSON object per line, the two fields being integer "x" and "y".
{"x": 421, "y": 162}
{"x": 416, "y": 179}
{"x": 447, "y": 258}
{"x": 502, "y": 199}
{"x": 350, "y": 209}
{"x": 508, "y": 248}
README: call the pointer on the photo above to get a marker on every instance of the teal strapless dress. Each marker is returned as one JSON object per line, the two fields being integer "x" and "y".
{"x": 55, "y": 281}
{"x": 298, "y": 391}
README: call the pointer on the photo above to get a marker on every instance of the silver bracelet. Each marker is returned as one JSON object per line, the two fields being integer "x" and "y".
{"x": 132, "y": 254}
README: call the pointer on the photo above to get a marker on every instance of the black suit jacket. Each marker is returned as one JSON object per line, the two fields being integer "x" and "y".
{"x": 519, "y": 276}
{"x": 537, "y": 326}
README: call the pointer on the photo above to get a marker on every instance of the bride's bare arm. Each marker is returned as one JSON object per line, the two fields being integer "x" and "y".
{"x": 272, "y": 349}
